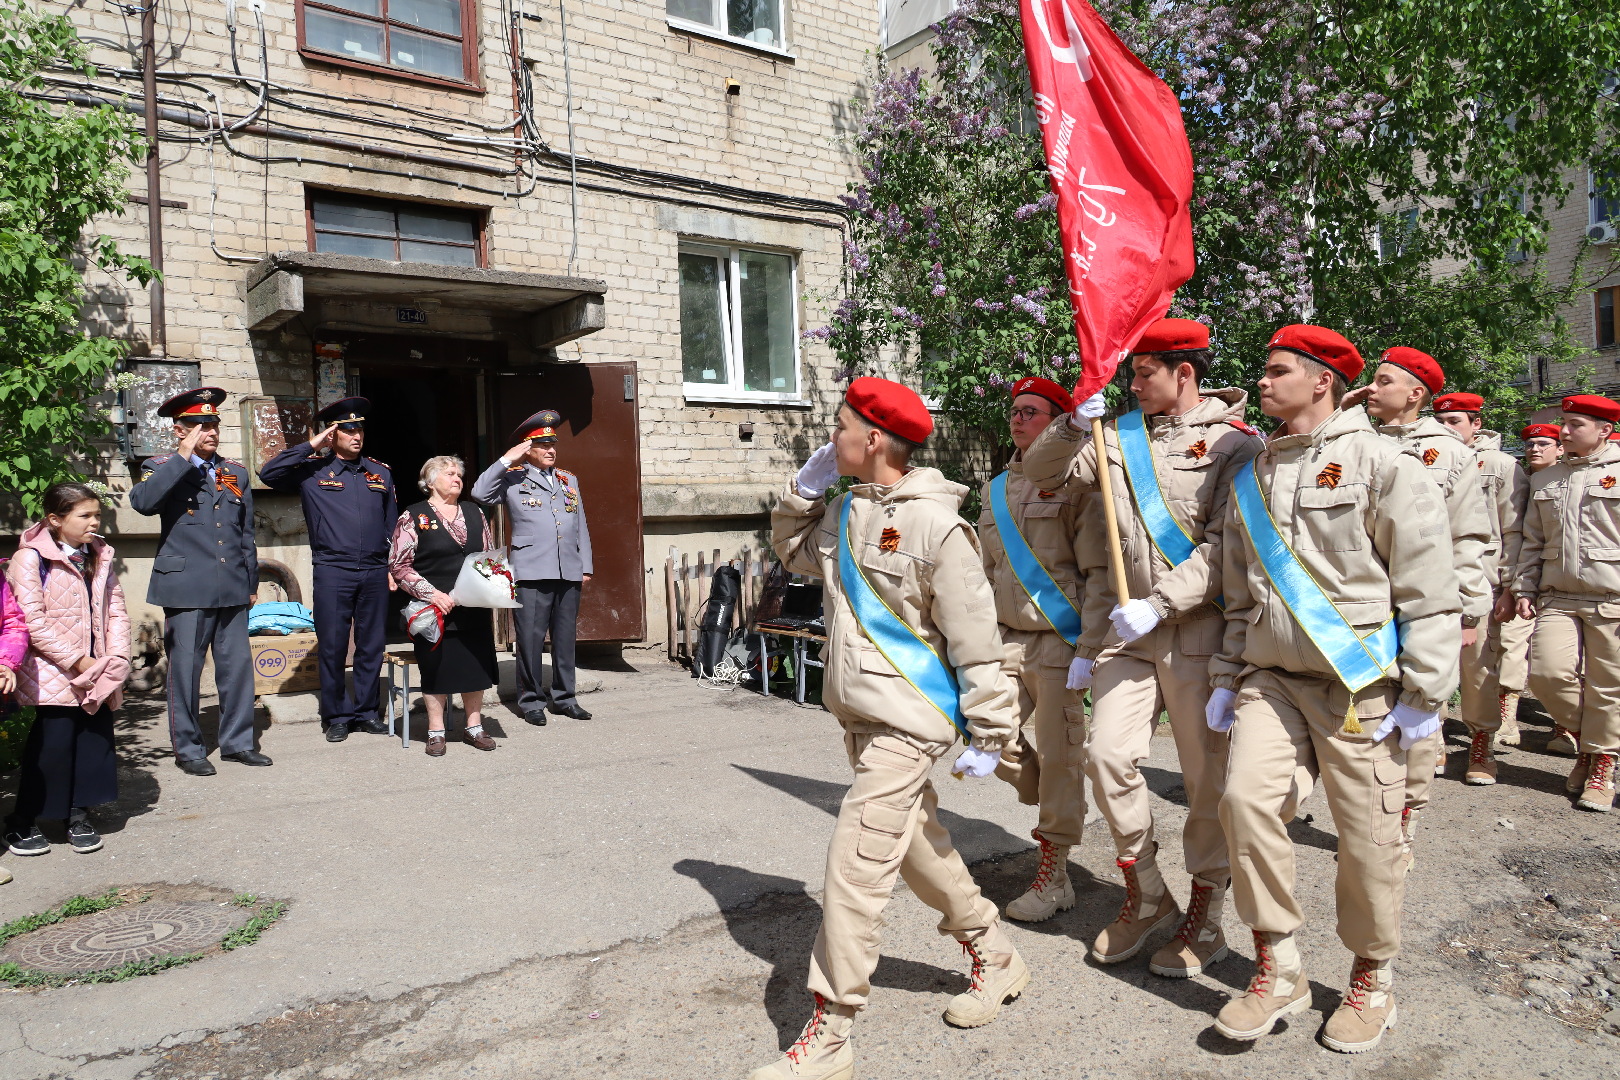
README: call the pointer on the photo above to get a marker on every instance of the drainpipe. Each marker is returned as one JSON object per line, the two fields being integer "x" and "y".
{"x": 154, "y": 186}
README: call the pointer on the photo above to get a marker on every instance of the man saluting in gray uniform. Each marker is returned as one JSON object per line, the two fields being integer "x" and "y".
{"x": 204, "y": 577}
{"x": 551, "y": 556}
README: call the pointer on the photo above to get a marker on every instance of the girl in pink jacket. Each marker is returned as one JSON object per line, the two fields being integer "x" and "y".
{"x": 73, "y": 673}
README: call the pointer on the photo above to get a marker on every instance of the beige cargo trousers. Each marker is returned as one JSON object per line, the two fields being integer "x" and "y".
{"x": 1575, "y": 669}
{"x": 1051, "y": 735}
{"x": 1287, "y": 736}
{"x": 888, "y": 827}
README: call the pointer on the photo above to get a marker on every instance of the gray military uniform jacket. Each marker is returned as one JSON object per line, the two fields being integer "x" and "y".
{"x": 206, "y": 556}
{"x": 549, "y": 537}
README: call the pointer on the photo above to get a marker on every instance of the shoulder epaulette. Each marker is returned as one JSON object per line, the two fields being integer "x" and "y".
{"x": 160, "y": 459}
{"x": 1245, "y": 428}
{"x": 565, "y": 474}
{"x": 384, "y": 464}
{"x": 515, "y": 468}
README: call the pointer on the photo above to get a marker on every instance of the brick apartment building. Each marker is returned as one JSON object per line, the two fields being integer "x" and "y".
{"x": 376, "y": 197}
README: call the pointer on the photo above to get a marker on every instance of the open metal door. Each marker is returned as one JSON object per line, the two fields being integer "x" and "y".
{"x": 599, "y": 442}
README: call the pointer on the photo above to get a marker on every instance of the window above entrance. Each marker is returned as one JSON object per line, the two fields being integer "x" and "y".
{"x": 739, "y": 325}
{"x": 395, "y": 231}
{"x": 422, "y": 39}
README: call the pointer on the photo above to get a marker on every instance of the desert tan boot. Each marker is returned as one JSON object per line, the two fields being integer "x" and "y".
{"x": 1278, "y": 989}
{"x": 998, "y": 975}
{"x": 1481, "y": 762}
{"x": 1440, "y": 757}
{"x": 1148, "y": 906}
{"x": 1563, "y": 743}
{"x": 1508, "y": 733}
{"x": 1598, "y": 793}
{"x": 1575, "y": 782}
{"x": 821, "y": 1052}
{"x": 1368, "y": 1009}
{"x": 1051, "y": 891}
{"x": 1200, "y": 941}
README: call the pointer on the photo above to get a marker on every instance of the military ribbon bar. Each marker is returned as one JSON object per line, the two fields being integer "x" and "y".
{"x": 1165, "y": 531}
{"x": 901, "y": 646}
{"x": 1033, "y": 576}
{"x": 1358, "y": 661}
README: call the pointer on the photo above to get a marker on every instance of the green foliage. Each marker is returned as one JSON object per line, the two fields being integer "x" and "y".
{"x": 61, "y": 171}
{"x": 1385, "y": 167}
{"x": 249, "y": 932}
{"x": 78, "y": 905}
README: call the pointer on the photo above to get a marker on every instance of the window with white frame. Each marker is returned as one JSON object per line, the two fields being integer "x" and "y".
{"x": 739, "y": 324}
{"x": 1605, "y": 194}
{"x": 758, "y": 21}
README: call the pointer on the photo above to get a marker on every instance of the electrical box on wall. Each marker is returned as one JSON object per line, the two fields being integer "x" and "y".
{"x": 144, "y": 432}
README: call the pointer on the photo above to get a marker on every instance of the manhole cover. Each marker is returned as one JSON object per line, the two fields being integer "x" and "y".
{"x": 123, "y": 935}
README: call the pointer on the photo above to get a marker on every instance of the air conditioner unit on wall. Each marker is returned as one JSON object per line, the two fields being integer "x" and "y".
{"x": 1604, "y": 232}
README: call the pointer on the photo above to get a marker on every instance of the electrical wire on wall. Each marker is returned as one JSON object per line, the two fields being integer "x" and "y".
{"x": 573, "y": 159}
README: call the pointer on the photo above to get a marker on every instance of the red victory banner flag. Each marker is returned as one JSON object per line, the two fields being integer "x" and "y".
{"x": 1122, "y": 173}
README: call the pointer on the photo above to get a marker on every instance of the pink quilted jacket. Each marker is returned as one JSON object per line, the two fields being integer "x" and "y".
{"x": 63, "y": 621}
{"x": 13, "y": 630}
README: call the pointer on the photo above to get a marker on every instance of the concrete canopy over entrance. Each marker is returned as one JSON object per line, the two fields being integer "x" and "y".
{"x": 536, "y": 311}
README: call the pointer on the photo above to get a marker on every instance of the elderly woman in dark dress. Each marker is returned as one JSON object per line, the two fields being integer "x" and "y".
{"x": 431, "y": 540}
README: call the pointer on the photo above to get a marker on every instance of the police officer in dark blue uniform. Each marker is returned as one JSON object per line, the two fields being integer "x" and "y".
{"x": 349, "y": 508}
{"x": 205, "y": 576}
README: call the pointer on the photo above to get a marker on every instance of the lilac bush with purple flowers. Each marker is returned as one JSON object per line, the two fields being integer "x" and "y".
{"x": 1314, "y": 130}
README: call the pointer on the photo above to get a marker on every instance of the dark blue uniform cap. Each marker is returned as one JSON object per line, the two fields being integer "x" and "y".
{"x": 541, "y": 427}
{"x": 350, "y": 410}
{"x": 199, "y": 406}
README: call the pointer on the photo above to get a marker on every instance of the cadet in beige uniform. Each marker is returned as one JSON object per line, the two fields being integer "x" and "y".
{"x": 1034, "y": 616}
{"x": 1403, "y": 384}
{"x": 1485, "y": 703}
{"x": 1170, "y": 495}
{"x": 1541, "y": 449}
{"x": 913, "y": 662}
{"x": 1335, "y": 544}
{"x": 1569, "y": 579}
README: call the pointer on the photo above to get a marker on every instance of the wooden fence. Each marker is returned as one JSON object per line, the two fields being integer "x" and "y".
{"x": 687, "y": 580}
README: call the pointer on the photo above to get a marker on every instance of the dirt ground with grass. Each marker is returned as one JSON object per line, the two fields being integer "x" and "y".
{"x": 635, "y": 897}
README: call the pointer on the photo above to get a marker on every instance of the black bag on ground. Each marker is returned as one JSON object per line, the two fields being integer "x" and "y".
{"x": 715, "y": 627}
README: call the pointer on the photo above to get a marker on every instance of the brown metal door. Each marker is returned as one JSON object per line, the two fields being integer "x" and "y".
{"x": 599, "y": 442}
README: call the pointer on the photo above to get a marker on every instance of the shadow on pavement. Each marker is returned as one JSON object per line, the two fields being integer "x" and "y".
{"x": 776, "y": 920}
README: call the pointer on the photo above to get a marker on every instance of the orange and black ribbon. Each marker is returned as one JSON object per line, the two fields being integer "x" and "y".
{"x": 227, "y": 480}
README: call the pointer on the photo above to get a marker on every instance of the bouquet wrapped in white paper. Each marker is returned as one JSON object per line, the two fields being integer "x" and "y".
{"x": 486, "y": 581}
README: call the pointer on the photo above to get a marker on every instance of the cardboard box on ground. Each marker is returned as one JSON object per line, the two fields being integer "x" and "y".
{"x": 284, "y": 663}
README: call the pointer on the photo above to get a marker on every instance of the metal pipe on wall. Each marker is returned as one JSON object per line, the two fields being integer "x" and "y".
{"x": 154, "y": 184}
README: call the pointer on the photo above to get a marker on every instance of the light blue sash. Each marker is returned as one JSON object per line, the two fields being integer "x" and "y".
{"x": 1056, "y": 608}
{"x": 1166, "y": 532}
{"x": 908, "y": 653}
{"x": 1356, "y": 660}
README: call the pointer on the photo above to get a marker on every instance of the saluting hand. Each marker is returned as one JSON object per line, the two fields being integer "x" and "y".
{"x": 189, "y": 441}
{"x": 517, "y": 453}
{"x": 324, "y": 439}
{"x": 1358, "y": 396}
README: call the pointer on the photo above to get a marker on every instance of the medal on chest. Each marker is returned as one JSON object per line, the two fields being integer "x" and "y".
{"x": 376, "y": 482}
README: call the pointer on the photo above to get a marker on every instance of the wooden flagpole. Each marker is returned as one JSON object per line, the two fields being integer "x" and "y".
{"x": 1105, "y": 487}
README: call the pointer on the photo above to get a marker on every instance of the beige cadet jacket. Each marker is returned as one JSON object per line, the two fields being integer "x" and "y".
{"x": 1369, "y": 524}
{"x": 923, "y": 560}
{"x": 1507, "y": 489}
{"x": 1195, "y": 456}
{"x": 1050, "y": 523}
{"x": 1456, "y": 469}
{"x": 1572, "y": 530}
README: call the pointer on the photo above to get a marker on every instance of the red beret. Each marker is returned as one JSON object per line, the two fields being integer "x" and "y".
{"x": 1047, "y": 389}
{"x": 1542, "y": 431}
{"x": 1420, "y": 365}
{"x": 1459, "y": 403}
{"x": 1322, "y": 345}
{"x": 894, "y": 408}
{"x": 1173, "y": 335}
{"x": 1593, "y": 405}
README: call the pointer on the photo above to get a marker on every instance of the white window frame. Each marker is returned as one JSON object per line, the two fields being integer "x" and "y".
{"x": 731, "y": 390}
{"x": 1613, "y": 198}
{"x": 718, "y": 32}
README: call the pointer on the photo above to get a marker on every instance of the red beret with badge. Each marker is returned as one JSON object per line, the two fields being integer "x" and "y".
{"x": 1593, "y": 405}
{"x": 1542, "y": 431}
{"x": 1418, "y": 364}
{"x": 1322, "y": 345}
{"x": 1458, "y": 402}
{"x": 894, "y": 408}
{"x": 1173, "y": 335}
{"x": 1046, "y": 388}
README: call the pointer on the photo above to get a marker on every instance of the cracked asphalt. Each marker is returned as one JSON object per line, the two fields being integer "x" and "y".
{"x": 634, "y": 897}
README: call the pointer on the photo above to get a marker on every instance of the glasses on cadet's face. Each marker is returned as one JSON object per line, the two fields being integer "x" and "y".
{"x": 1027, "y": 412}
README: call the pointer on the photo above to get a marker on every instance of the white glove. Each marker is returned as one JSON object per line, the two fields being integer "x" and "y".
{"x": 1090, "y": 409}
{"x": 1134, "y": 619}
{"x": 1079, "y": 673}
{"x": 976, "y": 763}
{"x": 1415, "y": 724}
{"x": 1220, "y": 714}
{"x": 819, "y": 473}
